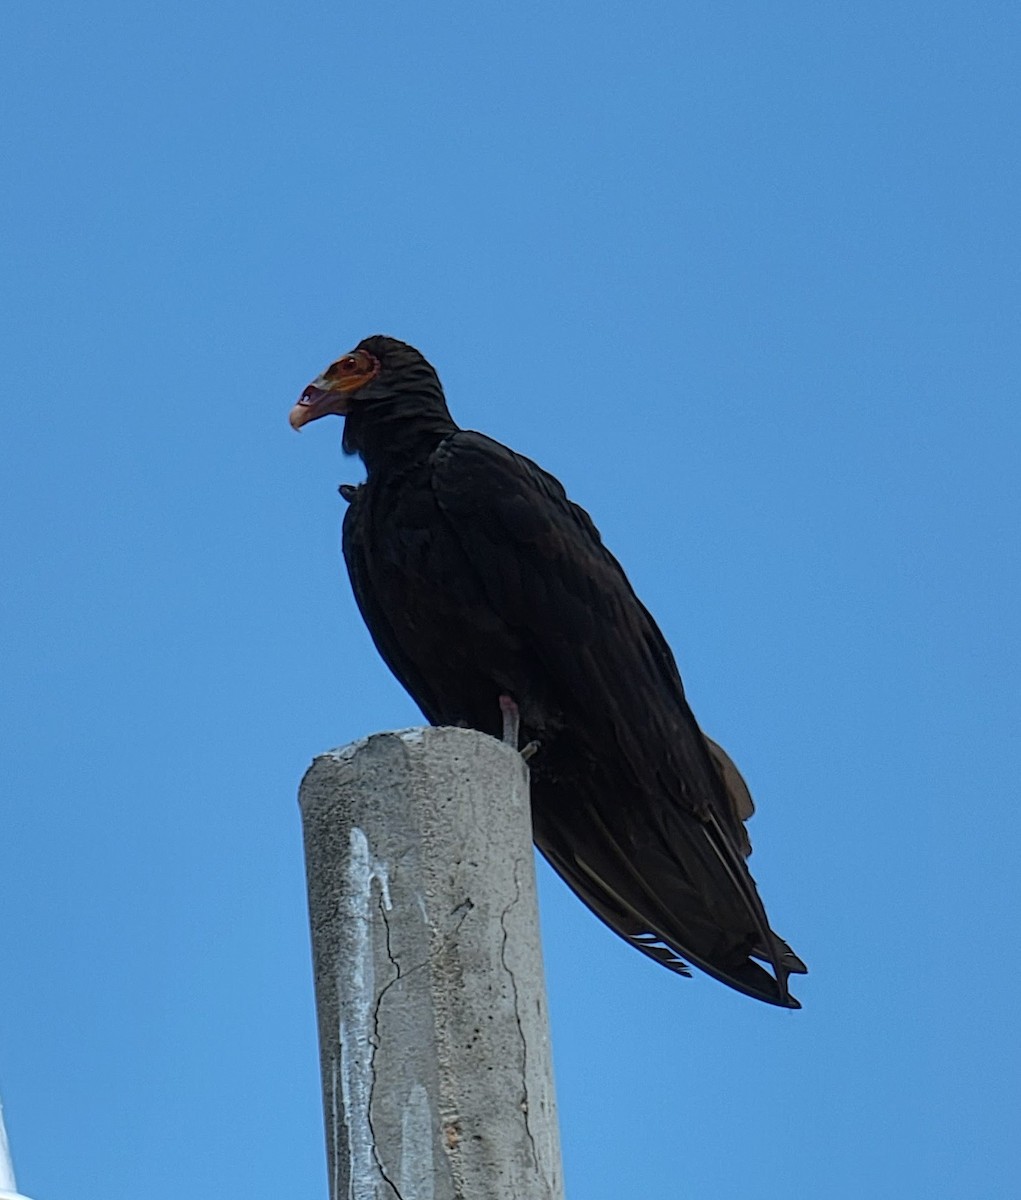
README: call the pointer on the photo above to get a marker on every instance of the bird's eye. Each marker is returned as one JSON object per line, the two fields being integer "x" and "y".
{"x": 349, "y": 364}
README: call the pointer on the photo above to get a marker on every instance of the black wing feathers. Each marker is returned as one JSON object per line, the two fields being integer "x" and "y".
{"x": 374, "y": 614}
{"x": 632, "y": 806}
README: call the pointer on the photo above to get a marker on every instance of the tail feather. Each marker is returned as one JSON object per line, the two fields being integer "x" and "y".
{"x": 685, "y": 897}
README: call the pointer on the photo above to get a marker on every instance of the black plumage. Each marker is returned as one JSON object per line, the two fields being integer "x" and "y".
{"x": 478, "y": 578}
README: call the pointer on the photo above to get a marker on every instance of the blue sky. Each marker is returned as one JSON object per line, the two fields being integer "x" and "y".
{"x": 746, "y": 278}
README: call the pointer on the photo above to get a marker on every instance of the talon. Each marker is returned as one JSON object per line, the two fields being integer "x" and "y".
{"x": 511, "y": 720}
{"x": 348, "y": 491}
{"x": 531, "y": 750}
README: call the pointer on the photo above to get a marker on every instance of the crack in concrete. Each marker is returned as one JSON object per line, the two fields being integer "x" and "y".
{"x": 376, "y": 1041}
{"x": 517, "y": 1015}
{"x": 375, "y": 1046}
{"x": 389, "y": 946}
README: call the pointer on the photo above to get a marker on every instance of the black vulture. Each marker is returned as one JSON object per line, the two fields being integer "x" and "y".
{"x": 492, "y": 598}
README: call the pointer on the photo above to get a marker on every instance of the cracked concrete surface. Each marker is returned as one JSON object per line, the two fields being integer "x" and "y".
{"x": 460, "y": 1090}
{"x": 517, "y": 1011}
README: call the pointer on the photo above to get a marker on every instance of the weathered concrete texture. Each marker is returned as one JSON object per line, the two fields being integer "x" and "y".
{"x": 433, "y": 1029}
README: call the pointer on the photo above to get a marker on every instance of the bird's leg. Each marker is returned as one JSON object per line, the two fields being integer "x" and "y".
{"x": 512, "y": 727}
{"x": 511, "y": 720}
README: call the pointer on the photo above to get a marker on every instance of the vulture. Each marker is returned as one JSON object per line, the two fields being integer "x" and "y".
{"x": 492, "y": 598}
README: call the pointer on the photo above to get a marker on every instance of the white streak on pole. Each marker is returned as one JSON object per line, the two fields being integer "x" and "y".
{"x": 356, "y": 988}
{"x": 433, "y": 1030}
{"x": 417, "y": 1173}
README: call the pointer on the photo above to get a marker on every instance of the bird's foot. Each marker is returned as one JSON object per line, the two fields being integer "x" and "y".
{"x": 531, "y": 750}
{"x": 511, "y": 721}
{"x": 348, "y": 491}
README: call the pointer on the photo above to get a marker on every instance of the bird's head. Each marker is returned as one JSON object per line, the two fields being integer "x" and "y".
{"x": 378, "y": 368}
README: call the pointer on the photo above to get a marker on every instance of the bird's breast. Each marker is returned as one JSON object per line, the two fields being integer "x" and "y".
{"x": 439, "y": 620}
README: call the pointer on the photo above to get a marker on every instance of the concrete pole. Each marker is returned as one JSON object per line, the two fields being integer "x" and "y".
{"x": 433, "y": 1029}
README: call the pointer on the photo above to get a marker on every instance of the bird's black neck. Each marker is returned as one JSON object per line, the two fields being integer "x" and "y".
{"x": 397, "y": 430}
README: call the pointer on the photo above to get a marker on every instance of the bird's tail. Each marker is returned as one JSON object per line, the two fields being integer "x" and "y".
{"x": 671, "y": 882}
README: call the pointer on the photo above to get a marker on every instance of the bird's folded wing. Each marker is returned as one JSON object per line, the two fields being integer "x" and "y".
{"x": 674, "y": 820}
